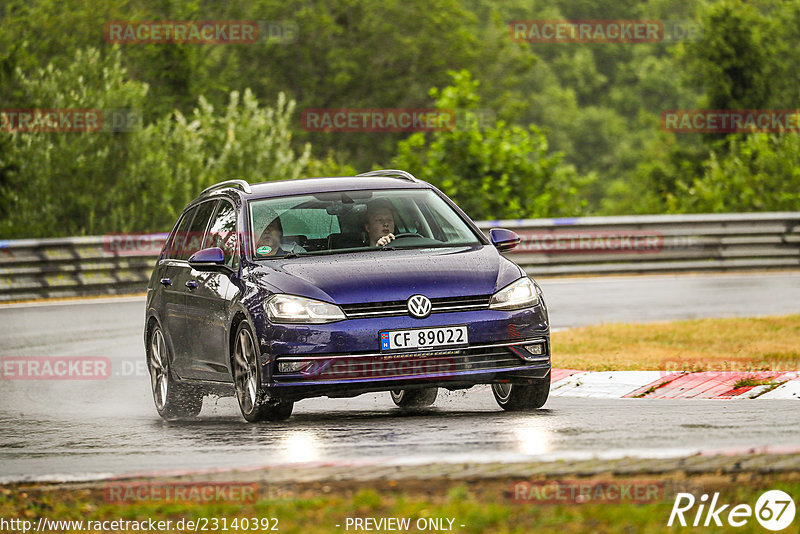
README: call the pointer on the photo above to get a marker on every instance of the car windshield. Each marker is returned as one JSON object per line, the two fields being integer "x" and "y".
{"x": 353, "y": 221}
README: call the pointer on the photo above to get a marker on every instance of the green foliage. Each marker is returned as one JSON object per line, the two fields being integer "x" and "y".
{"x": 498, "y": 172}
{"x": 733, "y": 59}
{"x": 98, "y": 182}
{"x": 365, "y": 54}
{"x": 67, "y": 183}
{"x": 760, "y": 172}
{"x": 740, "y": 62}
{"x": 188, "y": 153}
{"x": 595, "y": 106}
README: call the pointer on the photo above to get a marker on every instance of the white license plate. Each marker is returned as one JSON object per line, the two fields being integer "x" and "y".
{"x": 424, "y": 338}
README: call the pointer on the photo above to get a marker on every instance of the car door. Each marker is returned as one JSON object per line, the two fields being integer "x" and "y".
{"x": 208, "y": 305}
{"x": 173, "y": 295}
{"x": 184, "y": 344}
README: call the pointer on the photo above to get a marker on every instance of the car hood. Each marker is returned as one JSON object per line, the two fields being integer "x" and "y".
{"x": 379, "y": 276}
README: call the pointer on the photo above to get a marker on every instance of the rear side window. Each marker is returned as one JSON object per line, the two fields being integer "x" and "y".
{"x": 179, "y": 237}
{"x": 223, "y": 234}
{"x": 197, "y": 230}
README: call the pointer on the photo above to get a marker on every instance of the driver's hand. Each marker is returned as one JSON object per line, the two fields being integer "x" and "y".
{"x": 385, "y": 240}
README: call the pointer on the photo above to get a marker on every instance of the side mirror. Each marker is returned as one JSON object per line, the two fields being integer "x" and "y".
{"x": 208, "y": 259}
{"x": 503, "y": 239}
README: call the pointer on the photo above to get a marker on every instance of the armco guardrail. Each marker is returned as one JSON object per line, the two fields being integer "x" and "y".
{"x": 589, "y": 245}
{"x": 656, "y": 243}
{"x": 77, "y": 266}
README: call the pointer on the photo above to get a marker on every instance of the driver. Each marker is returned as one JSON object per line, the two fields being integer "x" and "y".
{"x": 380, "y": 223}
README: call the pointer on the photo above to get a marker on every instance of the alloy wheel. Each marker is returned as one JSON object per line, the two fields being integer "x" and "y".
{"x": 159, "y": 368}
{"x": 245, "y": 371}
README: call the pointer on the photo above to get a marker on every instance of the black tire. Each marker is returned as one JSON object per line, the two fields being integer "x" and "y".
{"x": 518, "y": 398}
{"x": 414, "y": 398}
{"x": 173, "y": 399}
{"x": 253, "y": 402}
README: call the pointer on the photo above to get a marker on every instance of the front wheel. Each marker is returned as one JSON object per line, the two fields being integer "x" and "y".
{"x": 519, "y": 398}
{"x": 253, "y": 403}
{"x": 414, "y": 398}
{"x": 173, "y": 399}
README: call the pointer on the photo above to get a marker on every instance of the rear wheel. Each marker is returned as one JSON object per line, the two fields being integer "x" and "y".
{"x": 414, "y": 398}
{"x": 173, "y": 399}
{"x": 253, "y": 403}
{"x": 519, "y": 398}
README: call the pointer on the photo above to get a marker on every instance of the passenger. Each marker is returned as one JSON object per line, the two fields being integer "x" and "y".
{"x": 271, "y": 241}
{"x": 380, "y": 223}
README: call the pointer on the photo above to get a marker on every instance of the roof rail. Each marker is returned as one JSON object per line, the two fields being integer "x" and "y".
{"x": 240, "y": 184}
{"x": 393, "y": 173}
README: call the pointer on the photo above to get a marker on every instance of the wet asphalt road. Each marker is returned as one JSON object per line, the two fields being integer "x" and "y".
{"x": 86, "y": 429}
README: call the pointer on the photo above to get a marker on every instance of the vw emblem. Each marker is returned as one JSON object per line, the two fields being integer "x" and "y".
{"x": 419, "y": 306}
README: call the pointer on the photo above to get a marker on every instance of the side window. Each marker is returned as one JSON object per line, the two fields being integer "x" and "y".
{"x": 197, "y": 230}
{"x": 223, "y": 234}
{"x": 178, "y": 238}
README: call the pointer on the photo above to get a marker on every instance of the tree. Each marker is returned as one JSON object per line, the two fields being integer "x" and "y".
{"x": 498, "y": 172}
{"x": 733, "y": 59}
{"x": 188, "y": 153}
{"x": 760, "y": 172}
{"x": 97, "y": 182}
{"x": 65, "y": 183}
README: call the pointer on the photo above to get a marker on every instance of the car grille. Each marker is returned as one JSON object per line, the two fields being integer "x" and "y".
{"x": 400, "y": 307}
{"x": 435, "y": 362}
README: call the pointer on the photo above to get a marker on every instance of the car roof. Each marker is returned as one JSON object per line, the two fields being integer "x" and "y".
{"x": 304, "y": 186}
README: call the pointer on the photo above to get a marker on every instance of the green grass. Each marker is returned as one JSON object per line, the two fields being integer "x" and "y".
{"x": 750, "y": 381}
{"x": 482, "y": 506}
{"x": 734, "y": 344}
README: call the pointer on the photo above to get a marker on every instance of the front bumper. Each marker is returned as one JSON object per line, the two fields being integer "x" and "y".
{"x": 344, "y": 358}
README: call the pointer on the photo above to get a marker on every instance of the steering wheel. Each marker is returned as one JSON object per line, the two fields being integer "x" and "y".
{"x": 408, "y": 234}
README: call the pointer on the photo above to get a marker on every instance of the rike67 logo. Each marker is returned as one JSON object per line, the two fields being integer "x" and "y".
{"x": 774, "y": 510}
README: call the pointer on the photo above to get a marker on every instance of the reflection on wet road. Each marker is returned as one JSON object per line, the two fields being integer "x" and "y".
{"x": 59, "y": 435}
{"x": 93, "y": 428}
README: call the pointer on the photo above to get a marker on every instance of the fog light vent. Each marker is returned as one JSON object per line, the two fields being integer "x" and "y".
{"x": 537, "y": 349}
{"x": 291, "y": 367}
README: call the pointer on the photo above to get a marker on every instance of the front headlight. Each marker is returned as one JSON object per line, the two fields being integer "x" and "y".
{"x": 516, "y": 295}
{"x": 292, "y": 309}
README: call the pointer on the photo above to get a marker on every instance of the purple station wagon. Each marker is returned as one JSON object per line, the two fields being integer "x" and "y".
{"x": 335, "y": 287}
